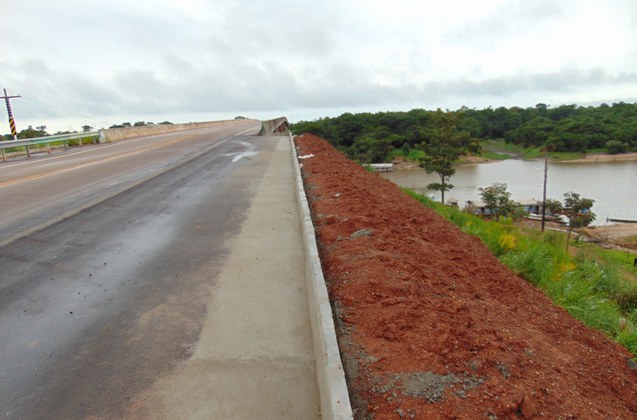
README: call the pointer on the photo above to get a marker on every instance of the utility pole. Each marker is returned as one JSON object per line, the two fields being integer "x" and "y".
{"x": 11, "y": 120}
{"x": 546, "y": 169}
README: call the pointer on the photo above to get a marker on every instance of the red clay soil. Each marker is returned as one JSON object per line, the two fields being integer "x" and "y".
{"x": 431, "y": 325}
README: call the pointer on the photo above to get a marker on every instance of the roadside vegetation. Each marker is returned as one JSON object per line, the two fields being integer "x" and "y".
{"x": 597, "y": 286}
{"x": 565, "y": 132}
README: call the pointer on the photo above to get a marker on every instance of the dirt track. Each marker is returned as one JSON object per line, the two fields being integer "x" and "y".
{"x": 619, "y": 234}
{"x": 431, "y": 325}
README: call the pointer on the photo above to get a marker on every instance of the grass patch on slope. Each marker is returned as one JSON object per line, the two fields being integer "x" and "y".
{"x": 590, "y": 289}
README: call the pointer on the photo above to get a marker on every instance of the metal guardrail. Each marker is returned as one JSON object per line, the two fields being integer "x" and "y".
{"x": 65, "y": 138}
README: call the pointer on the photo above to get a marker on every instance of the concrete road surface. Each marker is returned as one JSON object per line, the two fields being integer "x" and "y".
{"x": 177, "y": 291}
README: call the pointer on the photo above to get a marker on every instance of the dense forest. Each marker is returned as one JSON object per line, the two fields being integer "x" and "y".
{"x": 377, "y": 137}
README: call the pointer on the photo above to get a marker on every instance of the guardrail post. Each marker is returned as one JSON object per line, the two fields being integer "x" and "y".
{"x": 47, "y": 140}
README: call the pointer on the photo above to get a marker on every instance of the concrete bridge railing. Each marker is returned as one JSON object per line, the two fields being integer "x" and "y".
{"x": 115, "y": 134}
{"x": 277, "y": 125}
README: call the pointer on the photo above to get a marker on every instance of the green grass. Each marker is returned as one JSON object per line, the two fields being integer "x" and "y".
{"x": 631, "y": 239}
{"x": 589, "y": 287}
{"x": 625, "y": 259}
{"x": 413, "y": 154}
{"x": 625, "y": 292}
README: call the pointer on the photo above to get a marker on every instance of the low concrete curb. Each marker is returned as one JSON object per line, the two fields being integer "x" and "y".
{"x": 335, "y": 402}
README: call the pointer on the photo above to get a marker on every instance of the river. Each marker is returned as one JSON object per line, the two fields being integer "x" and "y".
{"x": 613, "y": 185}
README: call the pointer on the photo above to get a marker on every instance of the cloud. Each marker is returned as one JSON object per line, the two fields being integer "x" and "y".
{"x": 164, "y": 57}
{"x": 565, "y": 81}
{"x": 184, "y": 86}
{"x": 510, "y": 19}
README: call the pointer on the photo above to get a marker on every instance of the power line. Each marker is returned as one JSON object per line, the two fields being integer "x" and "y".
{"x": 7, "y": 98}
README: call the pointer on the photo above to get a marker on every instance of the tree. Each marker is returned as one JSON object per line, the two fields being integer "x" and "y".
{"x": 553, "y": 206}
{"x": 567, "y": 128}
{"x": 497, "y": 199}
{"x": 578, "y": 211}
{"x": 86, "y": 128}
{"x": 444, "y": 145}
{"x": 615, "y": 147}
{"x": 31, "y": 133}
{"x": 122, "y": 125}
{"x": 368, "y": 149}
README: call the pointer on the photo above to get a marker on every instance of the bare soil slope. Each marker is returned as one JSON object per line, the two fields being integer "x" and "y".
{"x": 431, "y": 325}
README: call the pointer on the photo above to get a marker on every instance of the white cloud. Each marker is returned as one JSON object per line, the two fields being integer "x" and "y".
{"x": 103, "y": 60}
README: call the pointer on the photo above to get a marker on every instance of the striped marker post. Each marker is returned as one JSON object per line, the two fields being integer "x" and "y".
{"x": 7, "y": 98}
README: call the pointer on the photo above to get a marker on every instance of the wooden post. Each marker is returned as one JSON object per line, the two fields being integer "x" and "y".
{"x": 546, "y": 167}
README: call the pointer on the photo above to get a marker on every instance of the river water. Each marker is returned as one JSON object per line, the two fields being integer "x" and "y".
{"x": 613, "y": 185}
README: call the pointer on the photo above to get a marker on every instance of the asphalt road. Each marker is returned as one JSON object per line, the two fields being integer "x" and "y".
{"x": 106, "y": 258}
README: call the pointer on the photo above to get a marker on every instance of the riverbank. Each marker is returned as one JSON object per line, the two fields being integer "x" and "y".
{"x": 623, "y": 235}
{"x": 401, "y": 163}
{"x": 602, "y": 157}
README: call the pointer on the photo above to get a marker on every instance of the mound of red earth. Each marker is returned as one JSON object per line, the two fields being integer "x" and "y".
{"x": 431, "y": 325}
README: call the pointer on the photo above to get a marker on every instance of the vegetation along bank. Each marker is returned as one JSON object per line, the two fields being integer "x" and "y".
{"x": 568, "y": 130}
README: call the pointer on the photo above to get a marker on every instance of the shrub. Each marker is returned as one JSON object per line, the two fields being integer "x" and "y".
{"x": 615, "y": 147}
{"x": 535, "y": 264}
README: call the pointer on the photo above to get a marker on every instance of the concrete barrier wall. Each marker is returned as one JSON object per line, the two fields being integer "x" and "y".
{"x": 270, "y": 126}
{"x": 335, "y": 403}
{"x": 115, "y": 134}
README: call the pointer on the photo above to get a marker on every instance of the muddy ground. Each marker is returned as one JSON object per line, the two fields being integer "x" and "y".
{"x": 432, "y": 326}
{"x": 623, "y": 235}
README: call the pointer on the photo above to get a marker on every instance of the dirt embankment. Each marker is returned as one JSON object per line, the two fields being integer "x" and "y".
{"x": 431, "y": 325}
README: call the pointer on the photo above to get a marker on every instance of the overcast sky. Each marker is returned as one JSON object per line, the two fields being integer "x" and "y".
{"x": 98, "y": 62}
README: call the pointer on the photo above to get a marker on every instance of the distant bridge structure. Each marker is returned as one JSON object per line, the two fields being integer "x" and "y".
{"x": 277, "y": 125}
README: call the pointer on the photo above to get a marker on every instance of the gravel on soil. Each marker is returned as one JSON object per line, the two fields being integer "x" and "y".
{"x": 431, "y": 325}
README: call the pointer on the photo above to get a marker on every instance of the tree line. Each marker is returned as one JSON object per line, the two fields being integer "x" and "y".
{"x": 376, "y": 137}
